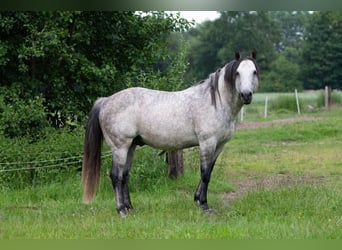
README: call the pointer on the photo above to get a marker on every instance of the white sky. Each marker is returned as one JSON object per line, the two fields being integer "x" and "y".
{"x": 200, "y": 16}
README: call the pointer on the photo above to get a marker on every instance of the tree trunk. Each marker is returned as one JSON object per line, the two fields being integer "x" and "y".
{"x": 175, "y": 161}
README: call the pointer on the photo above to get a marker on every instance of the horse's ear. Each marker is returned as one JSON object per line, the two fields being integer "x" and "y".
{"x": 237, "y": 55}
{"x": 253, "y": 54}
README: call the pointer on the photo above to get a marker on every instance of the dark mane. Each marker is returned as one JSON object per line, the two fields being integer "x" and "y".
{"x": 213, "y": 85}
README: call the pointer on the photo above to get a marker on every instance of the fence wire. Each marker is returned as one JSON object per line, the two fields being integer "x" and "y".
{"x": 66, "y": 162}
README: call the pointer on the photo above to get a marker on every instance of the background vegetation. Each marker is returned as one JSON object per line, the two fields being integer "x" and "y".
{"x": 71, "y": 58}
{"x": 295, "y": 49}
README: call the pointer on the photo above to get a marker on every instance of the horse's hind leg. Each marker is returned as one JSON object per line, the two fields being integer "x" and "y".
{"x": 127, "y": 199}
{"x": 119, "y": 176}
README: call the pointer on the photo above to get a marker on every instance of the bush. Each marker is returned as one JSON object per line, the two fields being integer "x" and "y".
{"x": 22, "y": 118}
{"x": 52, "y": 159}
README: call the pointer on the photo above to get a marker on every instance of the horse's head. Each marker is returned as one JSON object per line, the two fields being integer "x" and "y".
{"x": 244, "y": 73}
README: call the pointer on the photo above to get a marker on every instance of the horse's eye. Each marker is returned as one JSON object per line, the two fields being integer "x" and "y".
{"x": 237, "y": 73}
{"x": 255, "y": 72}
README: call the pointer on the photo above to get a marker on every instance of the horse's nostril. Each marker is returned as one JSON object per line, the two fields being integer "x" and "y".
{"x": 246, "y": 94}
{"x": 246, "y": 97}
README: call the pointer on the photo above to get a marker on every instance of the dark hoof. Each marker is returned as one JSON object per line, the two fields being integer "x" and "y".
{"x": 129, "y": 207}
{"x": 208, "y": 211}
{"x": 205, "y": 207}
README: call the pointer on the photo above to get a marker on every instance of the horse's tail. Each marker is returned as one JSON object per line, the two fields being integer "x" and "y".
{"x": 92, "y": 153}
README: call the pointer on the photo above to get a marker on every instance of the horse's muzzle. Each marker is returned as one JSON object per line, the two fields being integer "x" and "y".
{"x": 246, "y": 97}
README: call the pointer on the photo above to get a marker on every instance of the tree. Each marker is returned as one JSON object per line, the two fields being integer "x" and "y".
{"x": 213, "y": 43}
{"x": 292, "y": 24}
{"x": 283, "y": 76}
{"x": 322, "y": 49}
{"x": 72, "y": 58}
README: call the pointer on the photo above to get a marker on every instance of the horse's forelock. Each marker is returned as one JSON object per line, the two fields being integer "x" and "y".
{"x": 231, "y": 68}
{"x": 230, "y": 71}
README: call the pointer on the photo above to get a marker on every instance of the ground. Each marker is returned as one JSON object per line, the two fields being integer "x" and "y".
{"x": 276, "y": 181}
{"x": 271, "y": 182}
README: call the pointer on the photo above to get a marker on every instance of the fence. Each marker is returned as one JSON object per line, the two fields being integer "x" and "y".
{"x": 265, "y": 104}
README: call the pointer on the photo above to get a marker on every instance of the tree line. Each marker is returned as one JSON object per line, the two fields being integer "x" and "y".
{"x": 54, "y": 64}
{"x": 297, "y": 49}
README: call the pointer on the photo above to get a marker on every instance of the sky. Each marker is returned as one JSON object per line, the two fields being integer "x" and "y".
{"x": 199, "y": 16}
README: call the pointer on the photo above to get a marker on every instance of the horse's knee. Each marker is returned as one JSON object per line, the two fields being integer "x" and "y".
{"x": 205, "y": 175}
{"x": 114, "y": 174}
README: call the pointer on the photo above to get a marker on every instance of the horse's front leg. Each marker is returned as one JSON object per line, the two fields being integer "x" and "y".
{"x": 208, "y": 158}
{"x": 207, "y": 164}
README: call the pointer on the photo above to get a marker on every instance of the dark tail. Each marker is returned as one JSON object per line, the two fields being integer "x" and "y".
{"x": 92, "y": 154}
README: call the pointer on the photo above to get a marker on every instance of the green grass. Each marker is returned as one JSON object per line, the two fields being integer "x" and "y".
{"x": 164, "y": 208}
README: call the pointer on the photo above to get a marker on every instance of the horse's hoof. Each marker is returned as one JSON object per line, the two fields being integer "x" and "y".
{"x": 123, "y": 213}
{"x": 208, "y": 211}
{"x": 130, "y": 210}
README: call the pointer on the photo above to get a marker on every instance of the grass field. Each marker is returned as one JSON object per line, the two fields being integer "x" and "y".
{"x": 279, "y": 182}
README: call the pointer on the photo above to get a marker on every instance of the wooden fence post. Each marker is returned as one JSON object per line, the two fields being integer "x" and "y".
{"x": 242, "y": 113}
{"x": 174, "y": 160}
{"x": 297, "y": 102}
{"x": 327, "y": 98}
{"x": 266, "y": 107}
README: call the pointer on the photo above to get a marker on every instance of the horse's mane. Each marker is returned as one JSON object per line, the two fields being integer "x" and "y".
{"x": 213, "y": 85}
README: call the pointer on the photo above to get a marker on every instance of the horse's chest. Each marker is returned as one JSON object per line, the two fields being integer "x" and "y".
{"x": 227, "y": 132}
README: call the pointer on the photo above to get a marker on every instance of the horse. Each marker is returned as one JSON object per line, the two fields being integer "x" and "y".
{"x": 202, "y": 115}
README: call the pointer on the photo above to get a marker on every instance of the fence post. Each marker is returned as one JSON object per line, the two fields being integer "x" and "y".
{"x": 242, "y": 113}
{"x": 266, "y": 107}
{"x": 327, "y": 97}
{"x": 297, "y": 102}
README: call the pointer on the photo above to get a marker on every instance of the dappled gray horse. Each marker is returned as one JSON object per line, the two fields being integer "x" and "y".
{"x": 203, "y": 115}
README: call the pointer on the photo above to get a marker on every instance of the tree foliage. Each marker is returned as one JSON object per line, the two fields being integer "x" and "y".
{"x": 296, "y": 49}
{"x": 214, "y": 43}
{"x": 322, "y": 50}
{"x": 71, "y": 58}
{"x": 292, "y": 28}
{"x": 283, "y": 76}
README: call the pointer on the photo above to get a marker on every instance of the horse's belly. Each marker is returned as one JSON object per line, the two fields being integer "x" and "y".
{"x": 169, "y": 139}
